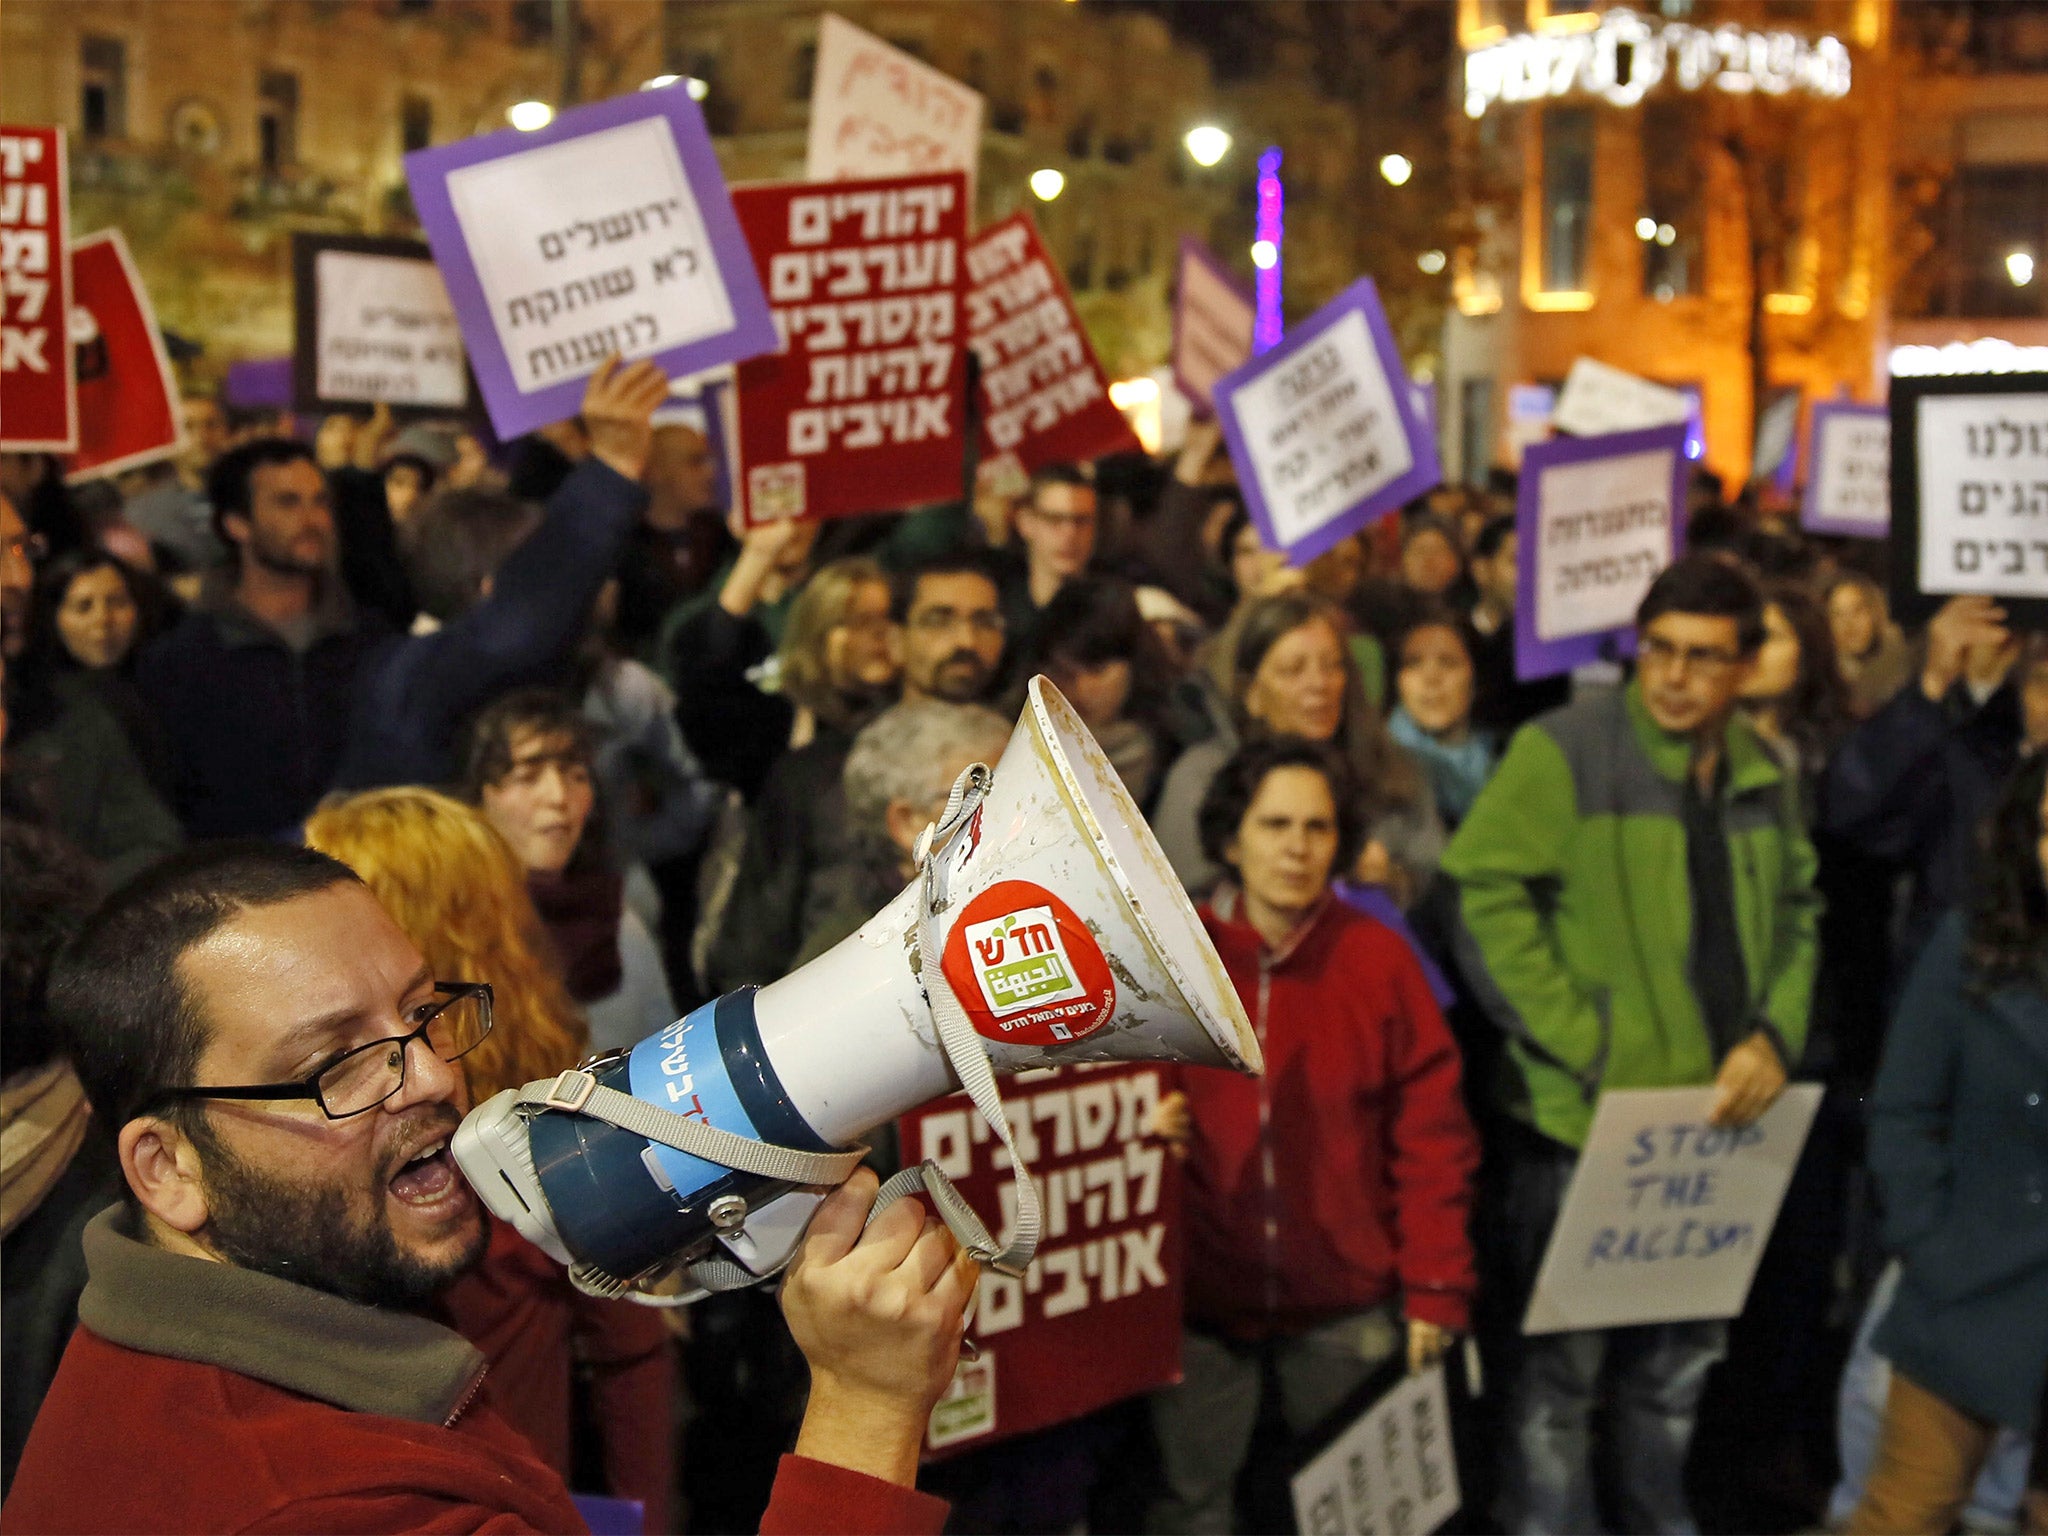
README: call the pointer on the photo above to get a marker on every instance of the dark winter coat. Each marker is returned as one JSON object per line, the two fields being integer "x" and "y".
{"x": 1959, "y": 1144}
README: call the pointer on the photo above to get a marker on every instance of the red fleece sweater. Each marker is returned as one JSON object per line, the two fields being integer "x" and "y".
{"x": 128, "y": 1441}
{"x": 1342, "y": 1177}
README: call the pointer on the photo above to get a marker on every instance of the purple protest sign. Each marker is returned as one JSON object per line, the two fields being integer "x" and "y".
{"x": 1597, "y": 518}
{"x": 1213, "y": 318}
{"x": 1848, "y": 471}
{"x": 609, "y": 230}
{"x": 1323, "y": 428}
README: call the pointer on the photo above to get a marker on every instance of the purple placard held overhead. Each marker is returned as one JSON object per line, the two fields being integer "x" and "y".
{"x": 1596, "y": 519}
{"x": 1213, "y": 319}
{"x": 1323, "y": 428}
{"x": 609, "y": 230}
{"x": 1848, "y": 471}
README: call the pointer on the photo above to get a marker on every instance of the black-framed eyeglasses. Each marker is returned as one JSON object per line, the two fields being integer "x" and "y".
{"x": 358, "y": 1080}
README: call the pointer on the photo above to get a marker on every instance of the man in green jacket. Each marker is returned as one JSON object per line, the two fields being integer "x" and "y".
{"x": 1636, "y": 892}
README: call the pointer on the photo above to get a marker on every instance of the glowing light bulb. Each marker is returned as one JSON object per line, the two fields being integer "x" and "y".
{"x": 1264, "y": 254}
{"x": 1047, "y": 184}
{"x": 2019, "y": 266}
{"x": 1431, "y": 262}
{"x": 527, "y": 116}
{"x": 1207, "y": 144}
{"x": 1666, "y": 234}
{"x": 1646, "y": 228}
{"x": 1397, "y": 169}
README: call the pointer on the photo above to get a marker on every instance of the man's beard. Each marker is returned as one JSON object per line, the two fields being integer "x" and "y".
{"x": 959, "y": 686}
{"x": 310, "y": 1236}
{"x": 279, "y": 559}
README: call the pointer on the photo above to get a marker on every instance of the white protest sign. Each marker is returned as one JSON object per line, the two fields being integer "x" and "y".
{"x": 877, "y": 112}
{"x": 384, "y": 330}
{"x": 1322, "y": 430}
{"x": 542, "y": 234}
{"x": 1597, "y": 398}
{"x": 1597, "y": 519}
{"x": 608, "y": 232}
{"x": 1392, "y": 1473}
{"x": 1667, "y": 1216}
{"x": 1775, "y": 432}
{"x": 1983, "y": 463}
{"x": 1848, "y": 483}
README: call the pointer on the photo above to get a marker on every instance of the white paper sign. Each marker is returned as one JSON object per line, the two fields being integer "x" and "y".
{"x": 1392, "y": 1473}
{"x": 1775, "y": 430}
{"x": 1852, "y": 470}
{"x": 1984, "y": 494}
{"x": 385, "y": 331}
{"x": 590, "y": 246}
{"x": 1667, "y": 1216}
{"x": 1604, "y": 534}
{"x": 1323, "y": 432}
{"x": 876, "y": 111}
{"x": 1598, "y": 399}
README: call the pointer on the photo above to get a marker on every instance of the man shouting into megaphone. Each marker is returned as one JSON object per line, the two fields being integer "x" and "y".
{"x": 256, "y": 1350}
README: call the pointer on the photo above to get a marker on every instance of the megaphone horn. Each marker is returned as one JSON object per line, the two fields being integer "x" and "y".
{"x": 1045, "y": 928}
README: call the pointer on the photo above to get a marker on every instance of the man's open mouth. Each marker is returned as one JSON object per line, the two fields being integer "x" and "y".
{"x": 428, "y": 1176}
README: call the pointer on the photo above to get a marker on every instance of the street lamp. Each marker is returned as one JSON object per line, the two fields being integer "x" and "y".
{"x": 2019, "y": 266}
{"x": 1431, "y": 262}
{"x": 1646, "y": 228}
{"x": 527, "y": 116}
{"x": 1397, "y": 169}
{"x": 1264, "y": 254}
{"x": 1047, "y": 184}
{"x": 1207, "y": 144}
{"x": 1666, "y": 235}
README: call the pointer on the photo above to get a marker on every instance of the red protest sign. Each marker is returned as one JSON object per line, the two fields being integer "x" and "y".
{"x": 127, "y": 395}
{"x": 38, "y": 388}
{"x": 1044, "y": 395}
{"x": 863, "y": 406}
{"x": 1097, "y": 1317}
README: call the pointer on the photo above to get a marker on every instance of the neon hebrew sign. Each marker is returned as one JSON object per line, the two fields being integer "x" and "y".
{"x": 1627, "y": 56}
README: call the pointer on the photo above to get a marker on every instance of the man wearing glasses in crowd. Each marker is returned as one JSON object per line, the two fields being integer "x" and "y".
{"x": 1636, "y": 892}
{"x": 257, "y": 1349}
{"x": 953, "y": 630}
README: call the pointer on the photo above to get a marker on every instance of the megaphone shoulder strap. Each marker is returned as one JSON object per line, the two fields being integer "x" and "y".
{"x": 969, "y": 1061}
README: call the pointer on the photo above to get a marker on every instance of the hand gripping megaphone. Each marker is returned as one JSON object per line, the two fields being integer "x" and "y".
{"x": 1045, "y": 928}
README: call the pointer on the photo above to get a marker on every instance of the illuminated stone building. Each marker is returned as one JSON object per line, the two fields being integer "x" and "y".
{"x": 210, "y": 130}
{"x": 1739, "y": 198}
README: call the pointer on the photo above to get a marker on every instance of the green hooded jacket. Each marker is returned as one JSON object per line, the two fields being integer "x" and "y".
{"x": 1576, "y": 913}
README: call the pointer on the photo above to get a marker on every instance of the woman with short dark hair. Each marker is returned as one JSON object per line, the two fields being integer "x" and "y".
{"x": 1959, "y": 1144}
{"x": 1327, "y": 1199}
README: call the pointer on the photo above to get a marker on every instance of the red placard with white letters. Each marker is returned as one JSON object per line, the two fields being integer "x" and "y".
{"x": 862, "y": 408}
{"x": 1044, "y": 395}
{"x": 38, "y": 380}
{"x": 127, "y": 395}
{"x": 1097, "y": 1317}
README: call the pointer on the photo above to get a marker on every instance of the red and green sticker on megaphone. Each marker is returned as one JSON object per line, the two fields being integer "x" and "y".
{"x": 1026, "y": 968}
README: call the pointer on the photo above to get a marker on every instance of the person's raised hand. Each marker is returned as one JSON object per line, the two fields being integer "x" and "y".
{"x": 1962, "y": 626}
{"x": 1426, "y": 1345}
{"x": 1749, "y": 1082}
{"x": 1197, "y": 449}
{"x": 618, "y": 412}
{"x": 1173, "y": 1123}
{"x": 762, "y": 548}
{"x": 878, "y": 1315}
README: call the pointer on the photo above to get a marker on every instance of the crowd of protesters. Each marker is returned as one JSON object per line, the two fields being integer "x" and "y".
{"x": 587, "y": 739}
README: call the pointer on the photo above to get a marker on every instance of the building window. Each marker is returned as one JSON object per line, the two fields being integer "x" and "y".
{"x": 1671, "y": 224}
{"x": 1567, "y": 198}
{"x": 976, "y": 72}
{"x": 2002, "y": 212}
{"x": 277, "y": 120}
{"x": 803, "y": 69}
{"x": 103, "y": 88}
{"x": 1081, "y": 270}
{"x": 415, "y": 123}
{"x": 533, "y": 23}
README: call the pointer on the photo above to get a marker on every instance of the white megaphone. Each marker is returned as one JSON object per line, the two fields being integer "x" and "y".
{"x": 1046, "y": 928}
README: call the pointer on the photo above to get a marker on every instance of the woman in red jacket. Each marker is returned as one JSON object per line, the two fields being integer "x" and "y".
{"x": 1327, "y": 1200}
